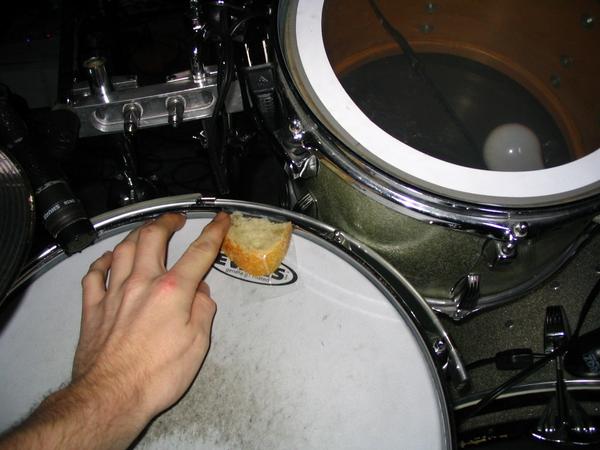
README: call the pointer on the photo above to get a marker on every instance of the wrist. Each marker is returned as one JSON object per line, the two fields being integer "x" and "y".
{"x": 82, "y": 415}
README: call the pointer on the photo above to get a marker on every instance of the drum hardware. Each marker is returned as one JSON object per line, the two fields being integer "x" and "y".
{"x": 17, "y": 224}
{"x": 440, "y": 354}
{"x": 100, "y": 115}
{"x": 306, "y": 202}
{"x": 369, "y": 183}
{"x": 465, "y": 295}
{"x": 563, "y": 421}
{"x": 127, "y": 186}
{"x": 199, "y": 30}
{"x": 439, "y": 342}
{"x": 301, "y": 159}
{"x": 60, "y": 211}
{"x": 184, "y": 96}
{"x": 175, "y": 109}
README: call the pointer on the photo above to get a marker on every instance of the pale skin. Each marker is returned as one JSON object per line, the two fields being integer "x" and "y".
{"x": 144, "y": 334}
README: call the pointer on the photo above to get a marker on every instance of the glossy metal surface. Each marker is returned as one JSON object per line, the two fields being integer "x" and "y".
{"x": 371, "y": 265}
{"x": 441, "y": 235}
{"x": 16, "y": 221}
{"x": 104, "y": 114}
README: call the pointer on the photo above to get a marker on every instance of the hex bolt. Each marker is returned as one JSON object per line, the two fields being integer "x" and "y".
{"x": 520, "y": 229}
{"x": 439, "y": 346}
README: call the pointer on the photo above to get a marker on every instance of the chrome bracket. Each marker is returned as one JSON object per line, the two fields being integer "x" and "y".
{"x": 301, "y": 159}
{"x": 179, "y": 99}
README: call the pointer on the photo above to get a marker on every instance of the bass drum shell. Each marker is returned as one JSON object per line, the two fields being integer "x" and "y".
{"x": 321, "y": 355}
{"x": 435, "y": 237}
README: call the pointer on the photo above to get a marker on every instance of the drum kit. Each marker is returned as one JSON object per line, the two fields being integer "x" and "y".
{"x": 443, "y": 170}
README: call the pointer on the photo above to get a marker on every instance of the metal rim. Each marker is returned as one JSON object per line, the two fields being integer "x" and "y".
{"x": 431, "y": 336}
{"x": 18, "y": 221}
{"x": 569, "y": 182}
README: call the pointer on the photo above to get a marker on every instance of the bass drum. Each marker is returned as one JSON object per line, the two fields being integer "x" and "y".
{"x": 335, "y": 350}
{"x": 460, "y": 140}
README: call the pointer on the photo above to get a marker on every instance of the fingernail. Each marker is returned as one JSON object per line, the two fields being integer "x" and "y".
{"x": 221, "y": 216}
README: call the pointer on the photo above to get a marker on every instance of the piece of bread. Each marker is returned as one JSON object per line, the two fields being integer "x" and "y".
{"x": 257, "y": 245}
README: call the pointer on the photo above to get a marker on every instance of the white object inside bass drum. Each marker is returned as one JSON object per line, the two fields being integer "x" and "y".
{"x": 316, "y": 358}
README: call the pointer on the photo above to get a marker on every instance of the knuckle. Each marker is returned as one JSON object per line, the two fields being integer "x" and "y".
{"x": 167, "y": 284}
{"x": 203, "y": 246}
{"x": 123, "y": 249}
{"x": 150, "y": 230}
{"x": 89, "y": 278}
{"x": 132, "y": 284}
{"x": 207, "y": 303}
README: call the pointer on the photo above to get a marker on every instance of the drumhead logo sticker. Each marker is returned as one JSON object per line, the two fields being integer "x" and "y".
{"x": 283, "y": 276}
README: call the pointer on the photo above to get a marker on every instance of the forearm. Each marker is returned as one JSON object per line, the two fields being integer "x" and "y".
{"x": 78, "y": 416}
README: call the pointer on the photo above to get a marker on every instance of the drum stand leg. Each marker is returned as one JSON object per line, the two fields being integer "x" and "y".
{"x": 564, "y": 421}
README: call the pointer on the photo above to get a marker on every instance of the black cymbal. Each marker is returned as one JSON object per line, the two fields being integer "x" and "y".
{"x": 16, "y": 220}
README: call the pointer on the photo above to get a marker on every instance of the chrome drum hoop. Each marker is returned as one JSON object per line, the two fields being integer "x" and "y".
{"x": 494, "y": 221}
{"x": 404, "y": 298}
{"x": 502, "y": 224}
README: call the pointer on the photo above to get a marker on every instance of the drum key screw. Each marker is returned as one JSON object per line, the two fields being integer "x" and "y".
{"x": 555, "y": 80}
{"x": 520, "y": 229}
{"x": 507, "y": 250}
{"x": 587, "y": 21}
{"x": 297, "y": 130}
{"x": 566, "y": 61}
{"x": 439, "y": 347}
{"x": 426, "y": 28}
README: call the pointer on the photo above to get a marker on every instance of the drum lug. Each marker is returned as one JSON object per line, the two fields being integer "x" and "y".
{"x": 465, "y": 295}
{"x": 301, "y": 159}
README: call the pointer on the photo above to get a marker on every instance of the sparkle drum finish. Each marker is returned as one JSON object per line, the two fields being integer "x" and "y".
{"x": 434, "y": 220}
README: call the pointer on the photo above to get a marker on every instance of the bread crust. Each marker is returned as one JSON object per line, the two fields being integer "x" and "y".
{"x": 258, "y": 263}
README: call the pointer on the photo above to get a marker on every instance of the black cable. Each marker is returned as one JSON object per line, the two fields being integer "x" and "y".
{"x": 480, "y": 363}
{"x": 516, "y": 379}
{"x": 417, "y": 67}
{"x": 216, "y": 129}
{"x": 243, "y": 21}
{"x": 485, "y": 401}
{"x": 586, "y": 308}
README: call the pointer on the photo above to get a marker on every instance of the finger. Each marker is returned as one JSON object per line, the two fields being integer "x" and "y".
{"x": 202, "y": 313}
{"x": 204, "y": 288}
{"x": 152, "y": 244}
{"x": 94, "y": 282}
{"x": 200, "y": 255}
{"x": 123, "y": 257}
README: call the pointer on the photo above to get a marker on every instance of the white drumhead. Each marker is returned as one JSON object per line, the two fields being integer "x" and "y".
{"x": 315, "y": 79}
{"x": 323, "y": 362}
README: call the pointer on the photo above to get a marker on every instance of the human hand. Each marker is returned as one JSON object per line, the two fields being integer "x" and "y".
{"x": 145, "y": 331}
